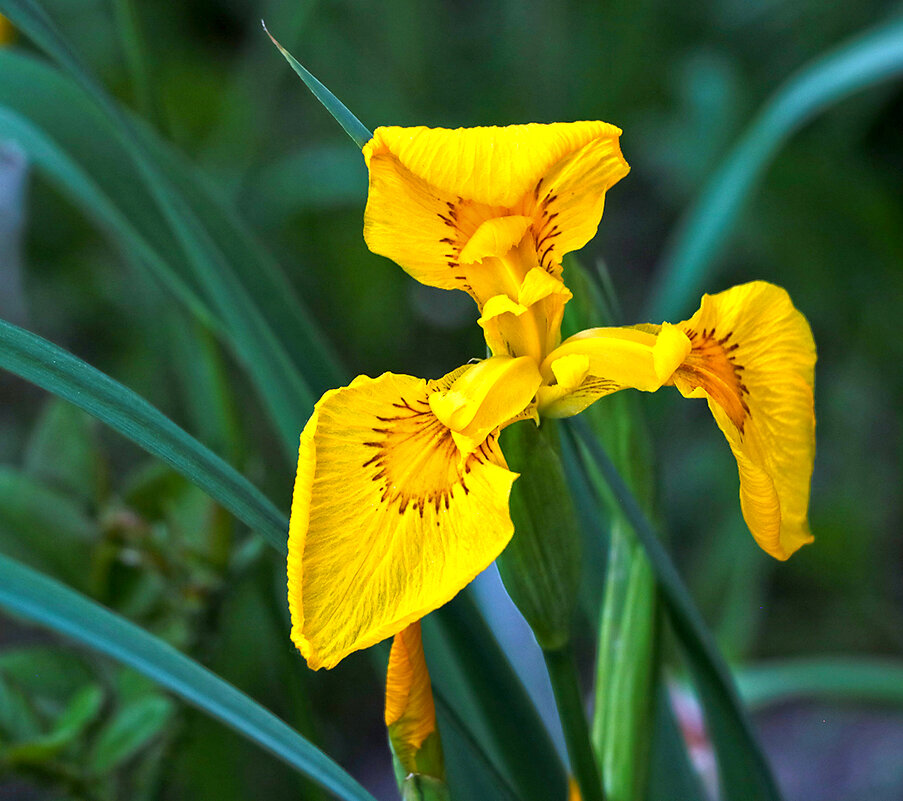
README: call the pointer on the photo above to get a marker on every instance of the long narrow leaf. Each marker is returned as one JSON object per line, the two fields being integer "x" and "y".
{"x": 744, "y": 771}
{"x": 704, "y": 231}
{"x": 74, "y": 144}
{"x": 49, "y": 603}
{"x": 352, "y": 126}
{"x": 287, "y": 397}
{"x": 54, "y": 369}
{"x": 503, "y": 711}
{"x": 851, "y": 679}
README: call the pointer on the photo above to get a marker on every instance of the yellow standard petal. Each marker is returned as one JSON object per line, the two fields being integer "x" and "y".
{"x": 410, "y": 711}
{"x": 456, "y": 207}
{"x": 389, "y": 520}
{"x": 753, "y": 358}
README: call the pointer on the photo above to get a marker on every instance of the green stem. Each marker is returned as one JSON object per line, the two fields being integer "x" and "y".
{"x": 566, "y": 686}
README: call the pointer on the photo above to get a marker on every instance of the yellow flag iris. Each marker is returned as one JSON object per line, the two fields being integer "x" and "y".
{"x": 401, "y": 496}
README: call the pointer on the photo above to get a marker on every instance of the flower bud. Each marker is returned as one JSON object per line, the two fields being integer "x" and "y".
{"x": 541, "y": 565}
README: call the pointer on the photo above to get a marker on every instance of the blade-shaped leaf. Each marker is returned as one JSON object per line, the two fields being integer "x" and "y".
{"x": 286, "y": 395}
{"x": 352, "y": 126}
{"x": 854, "y": 679}
{"x": 744, "y": 771}
{"x": 71, "y": 141}
{"x": 49, "y": 603}
{"x": 870, "y": 58}
{"x": 471, "y": 667}
{"x": 37, "y": 360}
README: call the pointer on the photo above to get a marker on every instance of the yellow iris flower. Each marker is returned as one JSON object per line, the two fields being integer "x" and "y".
{"x": 401, "y": 496}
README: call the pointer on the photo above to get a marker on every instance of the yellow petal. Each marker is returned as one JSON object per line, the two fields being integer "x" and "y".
{"x": 410, "y": 711}
{"x": 485, "y": 397}
{"x": 476, "y": 209}
{"x": 493, "y": 166}
{"x": 388, "y": 520}
{"x": 571, "y": 198}
{"x": 416, "y": 225}
{"x": 494, "y": 237}
{"x": 530, "y": 325}
{"x": 616, "y": 358}
{"x": 753, "y": 358}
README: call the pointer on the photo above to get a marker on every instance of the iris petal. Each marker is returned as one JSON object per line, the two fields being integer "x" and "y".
{"x": 389, "y": 519}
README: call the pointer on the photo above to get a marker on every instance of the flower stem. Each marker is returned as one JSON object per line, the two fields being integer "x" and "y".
{"x": 566, "y": 686}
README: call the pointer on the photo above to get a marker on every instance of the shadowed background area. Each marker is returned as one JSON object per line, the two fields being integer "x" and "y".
{"x": 684, "y": 82}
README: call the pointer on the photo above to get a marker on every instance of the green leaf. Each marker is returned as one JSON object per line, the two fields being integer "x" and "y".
{"x": 75, "y": 718}
{"x": 705, "y": 229}
{"x": 71, "y": 141}
{"x": 62, "y": 451}
{"x": 628, "y": 653}
{"x": 743, "y": 769}
{"x": 352, "y": 126}
{"x": 38, "y": 598}
{"x": 473, "y": 673}
{"x": 77, "y": 147}
{"x": 46, "y": 671}
{"x": 44, "y": 528}
{"x": 18, "y": 720}
{"x": 130, "y": 730}
{"x": 37, "y": 360}
{"x": 470, "y": 771}
{"x": 848, "y": 679}
{"x": 626, "y": 668}
{"x": 671, "y": 774}
{"x": 286, "y": 395}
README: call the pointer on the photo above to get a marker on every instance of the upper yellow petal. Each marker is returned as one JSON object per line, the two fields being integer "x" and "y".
{"x": 753, "y": 358}
{"x": 493, "y": 165}
{"x": 494, "y": 238}
{"x": 410, "y": 710}
{"x": 477, "y": 209}
{"x": 388, "y": 520}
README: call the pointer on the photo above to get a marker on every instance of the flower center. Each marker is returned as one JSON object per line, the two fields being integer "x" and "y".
{"x": 416, "y": 459}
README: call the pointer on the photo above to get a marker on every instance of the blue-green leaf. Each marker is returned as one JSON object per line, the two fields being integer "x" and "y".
{"x": 744, "y": 771}
{"x": 705, "y": 229}
{"x": 352, "y": 126}
{"x": 49, "y": 603}
{"x": 39, "y": 361}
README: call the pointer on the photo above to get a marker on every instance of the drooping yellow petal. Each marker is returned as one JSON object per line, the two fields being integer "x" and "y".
{"x": 476, "y": 209}
{"x": 410, "y": 711}
{"x": 615, "y": 358}
{"x": 485, "y": 397}
{"x": 389, "y": 521}
{"x": 753, "y": 358}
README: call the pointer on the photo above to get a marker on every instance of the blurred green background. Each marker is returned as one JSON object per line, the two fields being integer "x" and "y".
{"x": 683, "y": 81}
